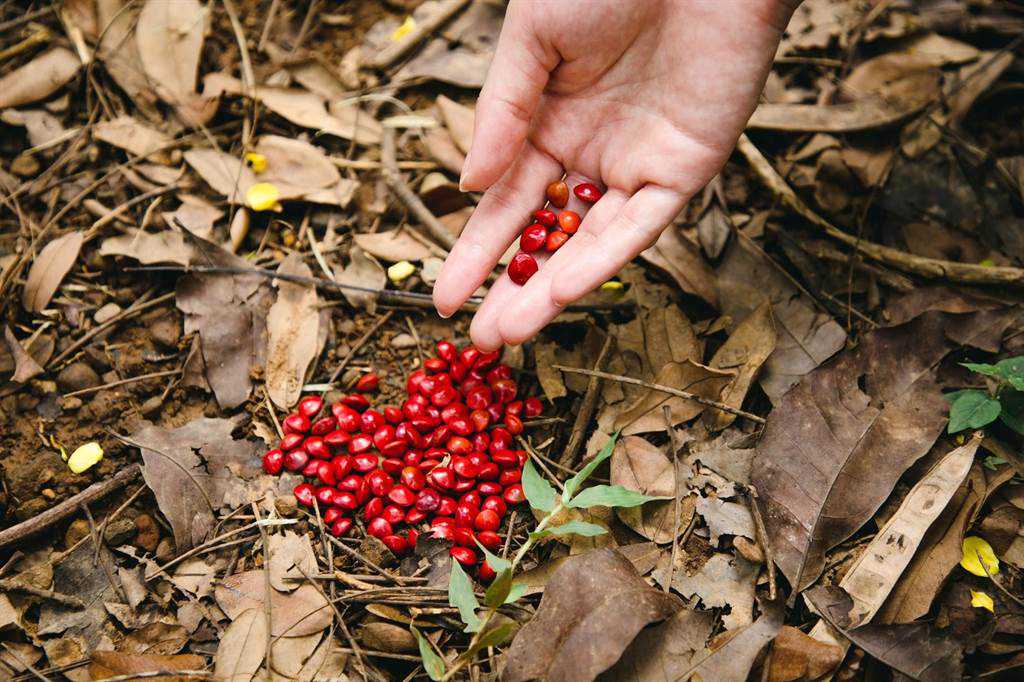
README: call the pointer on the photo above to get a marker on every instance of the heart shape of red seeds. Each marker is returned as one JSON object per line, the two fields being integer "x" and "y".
{"x": 549, "y": 230}
{"x": 443, "y": 462}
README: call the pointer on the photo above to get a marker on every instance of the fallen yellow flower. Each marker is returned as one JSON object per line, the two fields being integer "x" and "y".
{"x": 85, "y": 457}
{"x": 977, "y": 550}
{"x": 257, "y": 162}
{"x": 263, "y": 196}
{"x": 400, "y": 270}
{"x": 405, "y": 29}
{"x": 980, "y": 600}
{"x": 612, "y": 285}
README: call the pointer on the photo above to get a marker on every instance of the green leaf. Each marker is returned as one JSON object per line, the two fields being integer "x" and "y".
{"x": 574, "y": 483}
{"x": 493, "y": 560}
{"x": 460, "y": 595}
{"x": 1012, "y": 370}
{"x": 587, "y": 530}
{"x": 1013, "y": 411}
{"x": 991, "y": 462}
{"x": 493, "y": 637}
{"x": 972, "y": 410}
{"x": 611, "y": 496}
{"x": 517, "y": 591}
{"x": 432, "y": 663}
{"x": 539, "y": 492}
{"x": 499, "y": 588}
{"x": 982, "y": 368}
{"x": 952, "y": 396}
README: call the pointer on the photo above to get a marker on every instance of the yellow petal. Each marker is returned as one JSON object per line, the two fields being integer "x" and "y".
{"x": 980, "y": 600}
{"x": 977, "y": 550}
{"x": 612, "y": 285}
{"x": 85, "y": 457}
{"x": 263, "y": 196}
{"x": 257, "y": 162}
{"x": 988, "y": 263}
{"x": 400, "y": 270}
{"x": 405, "y": 29}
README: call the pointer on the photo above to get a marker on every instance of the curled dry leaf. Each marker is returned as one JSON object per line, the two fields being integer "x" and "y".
{"x": 294, "y": 614}
{"x": 392, "y": 246}
{"x": 242, "y": 647}
{"x": 168, "y": 246}
{"x": 48, "y": 270}
{"x": 836, "y": 444}
{"x": 725, "y": 518}
{"x": 38, "y": 79}
{"x": 795, "y": 656}
{"x": 734, "y": 658}
{"x": 645, "y": 415}
{"x": 42, "y": 126}
{"x": 681, "y": 260}
{"x": 362, "y": 271}
{"x": 592, "y": 608}
{"x": 292, "y": 326}
{"x": 746, "y": 349}
{"x": 129, "y": 134}
{"x": 713, "y": 230}
{"x": 113, "y": 663}
{"x": 291, "y": 556}
{"x": 24, "y": 365}
{"x": 13, "y": 355}
{"x": 637, "y": 465}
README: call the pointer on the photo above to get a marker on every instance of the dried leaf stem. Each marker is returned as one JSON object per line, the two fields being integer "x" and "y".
{"x": 586, "y": 411}
{"x": 396, "y": 183}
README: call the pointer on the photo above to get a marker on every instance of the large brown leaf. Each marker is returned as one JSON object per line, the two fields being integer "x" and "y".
{"x": 836, "y": 444}
{"x": 292, "y": 326}
{"x": 38, "y": 79}
{"x": 662, "y": 652}
{"x": 733, "y": 659}
{"x": 746, "y": 349}
{"x": 593, "y": 607}
{"x": 293, "y": 614}
{"x": 638, "y": 465}
{"x": 49, "y": 269}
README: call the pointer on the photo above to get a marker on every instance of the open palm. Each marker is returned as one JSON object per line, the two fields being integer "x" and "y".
{"x": 645, "y": 99}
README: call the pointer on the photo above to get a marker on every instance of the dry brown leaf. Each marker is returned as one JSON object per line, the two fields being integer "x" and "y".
{"x": 663, "y": 651}
{"x": 38, "y": 79}
{"x": 441, "y": 146}
{"x": 306, "y": 109}
{"x": 223, "y": 172}
{"x": 592, "y": 608}
{"x": 795, "y": 656}
{"x": 458, "y": 118}
{"x": 48, "y": 270}
{"x": 294, "y": 614}
{"x": 836, "y": 444}
{"x": 681, "y": 260}
{"x": 638, "y": 465}
{"x": 113, "y": 663}
{"x": 42, "y": 126}
{"x": 120, "y": 53}
{"x": 169, "y": 37}
{"x": 382, "y": 636}
{"x": 289, "y": 654}
{"x": 362, "y": 271}
{"x": 242, "y": 647}
{"x": 733, "y": 659}
{"x": 168, "y": 246}
{"x": 645, "y": 415}
{"x": 392, "y": 246}
{"x": 291, "y": 556}
{"x": 129, "y": 134}
{"x": 25, "y": 366}
{"x": 746, "y": 349}
{"x": 725, "y": 518}
{"x": 196, "y": 214}
{"x": 722, "y": 581}
{"x": 440, "y": 61}
{"x": 713, "y": 230}
{"x": 295, "y": 162}
{"x": 292, "y": 326}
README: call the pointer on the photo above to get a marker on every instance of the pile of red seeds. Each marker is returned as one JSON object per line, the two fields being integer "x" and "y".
{"x": 549, "y": 230}
{"x": 443, "y": 461}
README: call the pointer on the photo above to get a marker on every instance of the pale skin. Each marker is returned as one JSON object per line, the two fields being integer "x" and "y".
{"x": 645, "y": 99}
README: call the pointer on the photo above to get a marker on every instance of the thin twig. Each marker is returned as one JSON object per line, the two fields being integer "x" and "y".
{"x": 673, "y": 440}
{"x": 267, "y": 587}
{"x": 586, "y": 411}
{"x": 762, "y": 538}
{"x": 358, "y": 345}
{"x": 68, "y": 507}
{"x": 7, "y": 585}
{"x": 664, "y": 389}
{"x": 396, "y": 183}
{"x": 122, "y": 382}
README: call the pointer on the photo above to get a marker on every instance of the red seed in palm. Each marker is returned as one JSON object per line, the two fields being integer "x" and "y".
{"x": 555, "y": 241}
{"x": 569, "y": 221}
{"x": 545, "y": 217}
{"x": 533, "y": 238}
{"x": 557, "y": 193}
{"x": 587, "y": 192}
{"x": 522, "y": 267}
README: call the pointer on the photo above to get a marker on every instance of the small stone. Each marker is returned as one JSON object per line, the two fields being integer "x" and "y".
{"x": 48, "y": 493}
{"x": 25, "y": 165}
{"x": 118, "y": 531}
{"x": 748, "y": 550}
{"x": 70, "y": 404}
{"x": 107, "y": 312}
{"x": 164, "y": 550}
{"x": 78, "y": 529}
{"x": 77, "y": 376}
{"x": 165, "y": 332}
{"x": 151, "y": 406}
{"x": 403, "y": 341}
{"x": 147, "y": 533}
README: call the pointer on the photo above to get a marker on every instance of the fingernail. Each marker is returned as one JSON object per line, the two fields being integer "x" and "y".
{"x": 443, "y": 316}
{"x": 462, "y": 176}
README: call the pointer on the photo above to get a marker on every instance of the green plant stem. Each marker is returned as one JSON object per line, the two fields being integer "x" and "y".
{"x": 491, "y": 611}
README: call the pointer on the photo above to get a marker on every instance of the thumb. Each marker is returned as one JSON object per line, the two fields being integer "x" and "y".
{"x": 513, "y": 88}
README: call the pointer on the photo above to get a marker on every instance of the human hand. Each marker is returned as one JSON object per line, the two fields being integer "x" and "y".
{"x": 645, "y": 99}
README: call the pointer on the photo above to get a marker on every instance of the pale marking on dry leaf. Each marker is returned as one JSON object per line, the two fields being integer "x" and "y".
{"x": 48, "y": 270}
{"x": 129, "y": 134}
{"x": 725, "y": 518}
{"x": 722, "y": 581}
{"x": 292, "y": 325}
{"x": 38, "y": 79}
{"x": 242, "y": 647}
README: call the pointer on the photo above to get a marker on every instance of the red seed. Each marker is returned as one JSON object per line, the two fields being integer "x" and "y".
{"x": 433, "y": 366}
{"x": 412, "y": 535}
{"x": 489, "y": 472}
{"x": 393, "y": 415}
{"x": 347, "y": 418}
{"x": 459, "y": 445}
{"x": 514, "y": 494}
{"x": 332, "y": 514}
{"x": 412, "y": 384}
{"x": 443, "y": 532}
{"x": 515, "y": 407}
{"x": 555, "y": 240}
{"x": 489, "y": 488}
{"x": 323, "y": 426}
{"x": 273, "y": 462}
{"x": 486, "y": 361}
{"x": 341, "y": 527}
{"x": 444, "y": 395}
{"x": 402, "y": 496}
{"x": 373, "y": 509}
{"x": 464, "y": 537}
{"x": 295, "y": 423}
{"x": 351, "y": 483}
{"x": 447, "y": 507}
{"x": 464, "y": 468}
{"x": 366, "y": 461}
{"x": 346, "y": 500}
{"x": 414, "y": 516}
{"x": 569, "y": 221}
{"x": 480, "y": 420}
{"x": 587, "y": 192}
{"x": 505, "y": 390}
{"x": 514, "y": 424}
{"x": 557, "y": 193}
{"x": 464, "y": 555}
{"x": 499, "y": 372}
{"x": 446, "y": 350}
{"x": 413, "y": 478}
{"x": 468, "y": 355}
{"x": 392, "y": 466}
{"x": 305, "y": 494}
{"x": 311, "y": 469}
{"x": 291, "y": 441}
{"x": 370, "y": 421}
{"x": 315, "y": 447}
{"x": 441, "y": 478}
{"x": 472, "y": 498}
{"x": 506, "y": 459}
{"x": 532, "y": 407}
{"x": 360, "y": 444}
{"x": 489, "y": 539}
{"x": 356, "y": 402}
{"x": 482, "y": 441}
{"x": 428, "y": 500}
{"x": 325, "y": 495}
{"x": 487, "y": 519}
{"x": 394, "y": 514}
{"x": 395, "y": 448}
{"x": 325, "y": 473}
{"x": 465, "y": 514}
{"x": 485, "y": 573}
{"x": 342, "y": 464}
{"x": 396, "y": 543}
{"x": 495, "y": 504}
{"x": 368, "y": 383}
{"x": 479, "y": 398}
{"x": 510, "y": 476}
{"x": 380, "y": 483}
{"x": 545, "y": 217}
{"x": 522, "y": 268}
{"x": 295, "y": 460}
{"x": 533, "y": 238}
{"x": 310, "y": 406}
{"x": 379, "y": 528}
